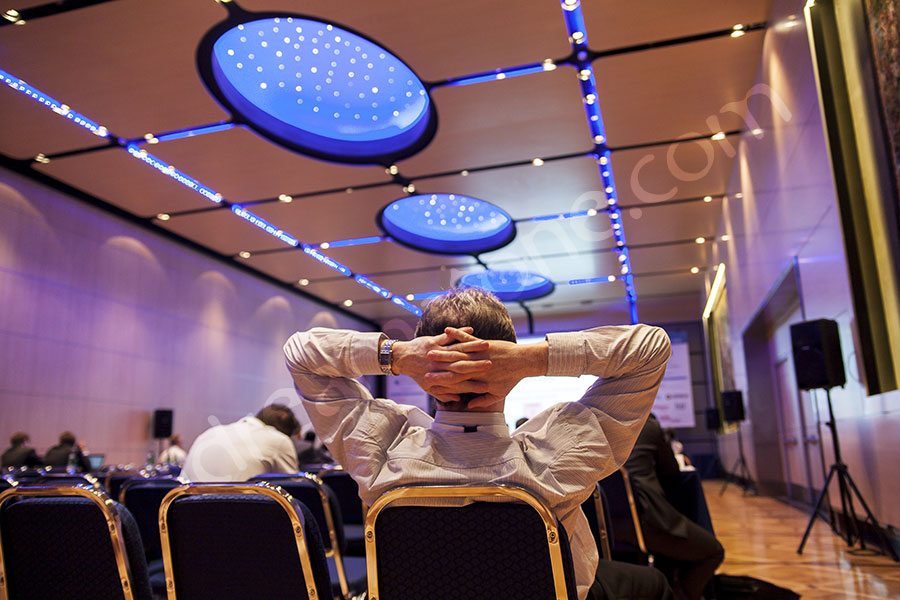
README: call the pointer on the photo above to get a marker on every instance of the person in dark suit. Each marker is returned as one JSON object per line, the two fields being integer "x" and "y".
{"x": 19, "y": 453}
{"x": 690, "y": 554}
{"x": 58, "y": 456}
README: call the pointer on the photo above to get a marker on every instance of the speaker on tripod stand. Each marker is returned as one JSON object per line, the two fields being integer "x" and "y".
{"x": 819, "y": 364}
{"x": 733, "y": 412}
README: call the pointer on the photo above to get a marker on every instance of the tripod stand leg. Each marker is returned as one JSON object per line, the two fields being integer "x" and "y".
{"x": 815, "y": 512}
{"x": 870, "y": 518}
{"x": 729, "y": 476}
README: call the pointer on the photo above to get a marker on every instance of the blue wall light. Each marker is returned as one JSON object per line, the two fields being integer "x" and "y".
{"x": 447, "y": 224}
{"x": 316, "y": 87}
{"x": 509, "y": 286}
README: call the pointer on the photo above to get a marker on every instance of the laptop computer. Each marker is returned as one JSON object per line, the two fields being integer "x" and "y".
{"x": 96, "y": 461}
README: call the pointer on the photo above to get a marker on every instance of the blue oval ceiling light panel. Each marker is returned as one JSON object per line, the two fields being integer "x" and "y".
{"x": 447, "y": 224}
{"x": 316, "y": 87}
{"x": 509, "y": 286}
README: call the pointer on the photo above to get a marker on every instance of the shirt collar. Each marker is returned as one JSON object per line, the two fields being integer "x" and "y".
{"x": 489, "y": 422}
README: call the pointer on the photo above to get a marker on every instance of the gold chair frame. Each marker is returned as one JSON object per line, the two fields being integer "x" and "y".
{"x": 605, "y": 551}
{"x": 339, "y": 469}
{"x": 284, "y": 500}
{"x": 632, "y": 506}
{"x": 106, "y": 507}
{"x": 335, "y": 551}
{"x": 425, "y": 495}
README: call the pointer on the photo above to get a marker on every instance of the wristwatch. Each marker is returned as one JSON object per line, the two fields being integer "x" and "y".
{"x": 384, "y": 357}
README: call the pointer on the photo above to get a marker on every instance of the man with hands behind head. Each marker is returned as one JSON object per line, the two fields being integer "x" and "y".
{"x": 465, "y": 355}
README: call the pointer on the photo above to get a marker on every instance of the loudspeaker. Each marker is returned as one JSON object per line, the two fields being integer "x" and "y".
{"x": 713, "y": 422}
{"x": 162, "y": 423}
{"x": 733, "y": 406}
{"x": 818, "y": 361}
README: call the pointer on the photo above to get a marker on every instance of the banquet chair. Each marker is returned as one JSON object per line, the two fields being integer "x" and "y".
{"x": 69, "y": 542}
{"x": 348, "y": 573}
{"x": 238, "y": 541}
{"x": 353, "y": 508}
{"x": 628, "y": 539}
{"x": 143, "y": 497}
{"x": 596, "y": 509}
{"x": 61, "y": 479}
{"x": 477, "y": 543}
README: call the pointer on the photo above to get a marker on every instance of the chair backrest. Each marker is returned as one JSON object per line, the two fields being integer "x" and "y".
{"x": 69, "y": 542}
{"x": 143, "y": 497}
{"x": 347, "y": 491}
{"x": 476, "y": 543}
{"x": 115, "y": 479}
{"x": 61, "y": 479}
{"x": 623, "y": 514}
{"x": 209, "y": 531}
{"x": 596, "y": 509}
{"x": 323, "y": 504}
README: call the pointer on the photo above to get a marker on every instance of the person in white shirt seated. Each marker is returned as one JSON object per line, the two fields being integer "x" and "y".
{"x": 465, "y": 355}
{"x": 174, "y": 454}
{"x": 240, "y": 450}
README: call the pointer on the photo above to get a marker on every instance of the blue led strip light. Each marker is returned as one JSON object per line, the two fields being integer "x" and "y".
{"x": 569, "y": 215}
{"x": 496, "y": 74}
{"x": 578, "y": 38}
{"x": 374, "y": 239}
{"x": 368, "y": 283}
{"x": 167, "y": 169}
{"x": 57, "y": 107}
{"x": 407, "y": 305}
{"x": 193, "y": 131}
{"x": 264, "y": 225}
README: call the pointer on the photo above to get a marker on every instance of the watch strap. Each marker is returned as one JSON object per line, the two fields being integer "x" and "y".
{"x": 384, "y": 356}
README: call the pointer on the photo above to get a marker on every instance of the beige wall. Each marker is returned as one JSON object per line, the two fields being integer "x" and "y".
{"x": 101, "y": 322}
{"x": 788, "y": 209}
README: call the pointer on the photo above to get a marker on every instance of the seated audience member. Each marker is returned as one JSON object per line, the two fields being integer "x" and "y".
{"x": 692, "y": 552}
{"x": 465, "y": 356}
{"x": 310, "y": 451}
{"x": 174, "y": 454}
{"x": 20, "y": 454}
{"x": 521, "y": 421}
{"x": 58, "y": 456}
{"x": 240, "y": 450}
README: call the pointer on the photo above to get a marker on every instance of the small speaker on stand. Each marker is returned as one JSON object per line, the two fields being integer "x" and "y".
{"x": 733, "y": 411}
{"x": 161, "y": 426}
{"x": 819, "y": 363}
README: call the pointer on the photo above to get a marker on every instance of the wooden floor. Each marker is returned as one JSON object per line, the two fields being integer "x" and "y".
{"x": 761, "y": 536}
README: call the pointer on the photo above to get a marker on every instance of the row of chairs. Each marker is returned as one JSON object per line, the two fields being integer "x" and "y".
{"x": 256, "y": 540}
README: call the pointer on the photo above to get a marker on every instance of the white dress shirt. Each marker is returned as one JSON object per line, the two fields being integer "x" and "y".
{"x": 238, "y": 451}
{"x": 558, "y": 455}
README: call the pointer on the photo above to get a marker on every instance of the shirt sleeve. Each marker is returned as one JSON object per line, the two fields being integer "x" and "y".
{"x": 586, "y": 440}
{"x": 284, "y": 459}
{"x": 355, "y": 427}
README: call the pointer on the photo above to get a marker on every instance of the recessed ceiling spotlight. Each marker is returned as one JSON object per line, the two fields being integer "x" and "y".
{"x": 700, "y": 240}
{"x": 591, "y": 212}
{"x": 285, "y": 198}
{"x": 244, "y": 254}
{"x": 757, "y": 132}
{"x": 464, "y": 173}
{"x": 41, "y": 158}
{"x": 739, "y": 195}
{"x": 707, "y": 199}
{"x": 392, "y": 170}
{"x": 537, "y": 162}
{"x": 725, "y": 237}
{"x": 349, "y": 190}
{"x": 549, "y": 65}
{"x": 718, "y": 136}
{"x": 410, "y": 297}
{"x": 303, "y": 282}
{"x": 348, "y": 302}
{"x": 611, "y": 278}
{"x": 695, "y": 270}
{"x": 163, "y": 216}
{"x": 324, "y": 245}
{"x": 577, "y": 36}
{"x": 409, "y": 189}
{"x": 737, "y": 31}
